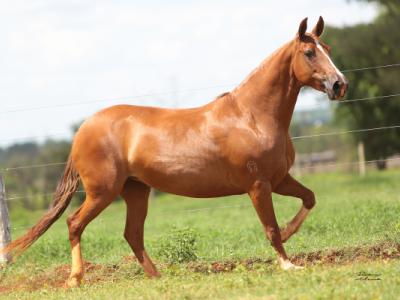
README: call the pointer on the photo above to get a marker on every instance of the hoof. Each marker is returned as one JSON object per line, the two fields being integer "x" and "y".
{"x": 287, "y": 265}
{"x": 72, "y": 282}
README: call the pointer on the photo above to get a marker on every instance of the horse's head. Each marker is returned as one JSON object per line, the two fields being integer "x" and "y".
{"x": 312, "y": 64}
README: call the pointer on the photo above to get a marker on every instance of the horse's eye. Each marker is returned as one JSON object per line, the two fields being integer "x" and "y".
{"x": 309, "y": 53}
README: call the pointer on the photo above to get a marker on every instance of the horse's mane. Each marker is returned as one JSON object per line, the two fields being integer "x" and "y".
{"x": 222, "y": 95}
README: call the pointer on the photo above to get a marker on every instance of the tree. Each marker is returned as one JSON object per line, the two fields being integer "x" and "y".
{"x": 365, "y": 45}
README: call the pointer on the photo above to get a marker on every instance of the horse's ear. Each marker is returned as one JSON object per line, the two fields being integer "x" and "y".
{"x": 319, "y": 28}
{"x": 302, "y": 28}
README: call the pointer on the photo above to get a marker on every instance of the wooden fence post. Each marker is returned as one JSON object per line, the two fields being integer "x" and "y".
{"x": 361, "y": 159}
{"x": 5, "y": 235}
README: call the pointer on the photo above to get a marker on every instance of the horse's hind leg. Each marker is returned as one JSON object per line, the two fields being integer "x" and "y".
{"x": 97, "y": 199}
{"x": 291, "y": 187}
{"x": 136, "y": 195}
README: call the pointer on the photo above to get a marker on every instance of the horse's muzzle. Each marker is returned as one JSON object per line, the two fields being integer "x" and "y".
{"x": 336, "y": 87}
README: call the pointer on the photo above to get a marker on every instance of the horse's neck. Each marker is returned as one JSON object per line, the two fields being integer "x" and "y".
{"x": 271, "y": 90}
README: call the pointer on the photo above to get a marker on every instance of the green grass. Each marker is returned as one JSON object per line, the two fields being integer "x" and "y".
{"x": 350, "y": 211}
{"x": 267, "y": 283}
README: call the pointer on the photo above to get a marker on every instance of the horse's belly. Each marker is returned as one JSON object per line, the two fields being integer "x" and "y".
{"x": 193, "y": 177}
{"x": 195, "y": 188}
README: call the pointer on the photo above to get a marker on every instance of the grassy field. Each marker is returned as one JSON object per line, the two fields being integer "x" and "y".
{"x": 350, "y": 245}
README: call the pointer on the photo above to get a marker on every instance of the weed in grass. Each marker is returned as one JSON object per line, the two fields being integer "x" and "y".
{"x": 178, "y": 246}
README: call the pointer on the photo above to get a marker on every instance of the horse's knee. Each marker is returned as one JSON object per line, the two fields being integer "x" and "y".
{"x": 309, "y": 199}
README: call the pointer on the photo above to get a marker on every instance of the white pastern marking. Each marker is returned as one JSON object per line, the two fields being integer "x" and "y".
{"x": 329, "y": 59}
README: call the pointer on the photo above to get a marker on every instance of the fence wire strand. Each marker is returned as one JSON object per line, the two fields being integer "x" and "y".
{"x": 369, "y": 98}
{"x": 133, "y": 97}
{"x": 371, "y": 68}
{"x": 33, "y": 166}
{"x": 126, "y": 98}
{"x": 348, "y": 163}
{"x": 344, "y": 132}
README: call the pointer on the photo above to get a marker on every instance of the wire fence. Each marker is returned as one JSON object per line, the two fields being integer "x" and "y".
{"x": 349, "y": 163}
{"x": 62, "y": 134}
{"x": 371, "y": 68}
{"x": 173, "y": 92}
{"x": 125, "y": 98}
{"x": 344, "y": 132}
{"x": 27, "y": 196}
{"x": 45, "y": 165}
{"x": 174, "y": 212}
{"x": 350, "y": 101}
{"x": 18, "y": 196}
{"x": 203, "y": 209}
{"x": 368, "y": 98}
{"x": 56, "y": 135}
{"x": 33, "y": 166}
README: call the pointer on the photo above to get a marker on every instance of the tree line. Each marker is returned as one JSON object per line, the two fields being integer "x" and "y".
{"x": 371, "y": 44}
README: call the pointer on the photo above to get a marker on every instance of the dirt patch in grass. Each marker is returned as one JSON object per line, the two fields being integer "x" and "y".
{"x": 55, "y": 278}
{"x": 94, "y": 273}
{"x": 382, "y": 251}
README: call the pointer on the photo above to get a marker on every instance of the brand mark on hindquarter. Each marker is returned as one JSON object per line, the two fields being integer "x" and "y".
{"x": 252, "y": 166}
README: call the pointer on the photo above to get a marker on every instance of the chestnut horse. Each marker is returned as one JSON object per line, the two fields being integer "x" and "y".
{"x": 239, "y": 143}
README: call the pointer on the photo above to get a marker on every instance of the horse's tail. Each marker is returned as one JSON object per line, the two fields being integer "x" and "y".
{"x": 62, "y": 197}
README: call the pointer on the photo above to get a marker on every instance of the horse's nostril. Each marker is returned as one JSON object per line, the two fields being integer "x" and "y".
{"x": 336, "y": 87}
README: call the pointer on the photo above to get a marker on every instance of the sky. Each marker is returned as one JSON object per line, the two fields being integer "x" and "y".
{"x": 61, "y": 61}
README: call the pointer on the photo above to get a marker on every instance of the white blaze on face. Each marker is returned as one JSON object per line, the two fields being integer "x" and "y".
{"x": 320, "y": 48}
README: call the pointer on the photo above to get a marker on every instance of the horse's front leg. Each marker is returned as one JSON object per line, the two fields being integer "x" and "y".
{"x": 291, "y": 187}
{"x": 260, "y": 194}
